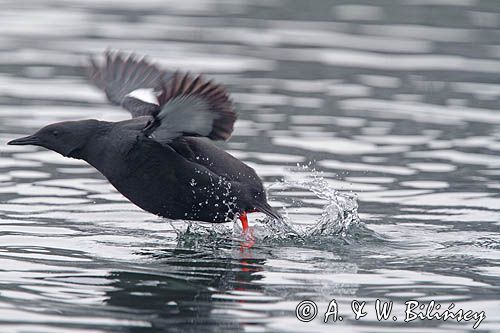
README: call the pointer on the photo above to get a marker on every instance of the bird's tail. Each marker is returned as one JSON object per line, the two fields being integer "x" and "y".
{"x": 269, "y": 211}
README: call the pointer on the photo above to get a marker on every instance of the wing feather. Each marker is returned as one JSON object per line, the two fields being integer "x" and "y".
{"x": 187, "y": 105}
{"x": 122, "y": 74}
{"x": 193, "y": 107}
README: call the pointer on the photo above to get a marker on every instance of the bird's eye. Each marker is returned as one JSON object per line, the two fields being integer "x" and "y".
{"x": 55, "y": 133}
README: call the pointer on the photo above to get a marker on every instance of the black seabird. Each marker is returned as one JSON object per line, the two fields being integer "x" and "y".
{"x": 157, "y": 159}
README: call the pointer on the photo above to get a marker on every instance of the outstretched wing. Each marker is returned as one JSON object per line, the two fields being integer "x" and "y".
{"x": 130, "y": 81}
{"x": 192, "y": 106}
{"x": 181, "y": 104}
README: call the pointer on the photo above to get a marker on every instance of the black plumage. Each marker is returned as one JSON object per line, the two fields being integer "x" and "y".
{"x": 159, "y": 159}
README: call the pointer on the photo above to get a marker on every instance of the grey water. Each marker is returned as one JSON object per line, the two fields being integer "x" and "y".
{"x": 390, "y": 109}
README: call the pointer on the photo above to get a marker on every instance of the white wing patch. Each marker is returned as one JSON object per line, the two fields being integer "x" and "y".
{"x": 145, "y": 95}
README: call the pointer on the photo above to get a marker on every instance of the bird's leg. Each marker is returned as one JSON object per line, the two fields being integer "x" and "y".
{"x": 244, "y": 221}
{"x": 249, "y": 240}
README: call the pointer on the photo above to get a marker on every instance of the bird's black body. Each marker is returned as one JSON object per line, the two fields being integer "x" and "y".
{"x": 154, "y": 159}
{"x": 184, "y": 180}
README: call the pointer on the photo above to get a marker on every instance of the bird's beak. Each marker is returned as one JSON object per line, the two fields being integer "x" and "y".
{"x": 27, "y": 140}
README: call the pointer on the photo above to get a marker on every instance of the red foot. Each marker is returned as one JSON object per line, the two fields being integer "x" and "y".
{"x": 244, "y": 221}
{"x": 249, "y": 242}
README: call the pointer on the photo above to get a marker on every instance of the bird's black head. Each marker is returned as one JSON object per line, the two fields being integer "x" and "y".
{"x": 65, "y": 138}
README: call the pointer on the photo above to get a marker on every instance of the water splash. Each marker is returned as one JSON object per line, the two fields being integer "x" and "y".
{"x": 339, "y": 210}
{"x": 335, "y": 213}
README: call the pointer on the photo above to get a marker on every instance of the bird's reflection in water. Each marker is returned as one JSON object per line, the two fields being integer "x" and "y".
{"x": 177, "y": 292}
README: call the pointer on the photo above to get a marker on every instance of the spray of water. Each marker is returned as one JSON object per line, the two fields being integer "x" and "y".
{"x": 338, "y": 210}
{"x": 303, "y": 188}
